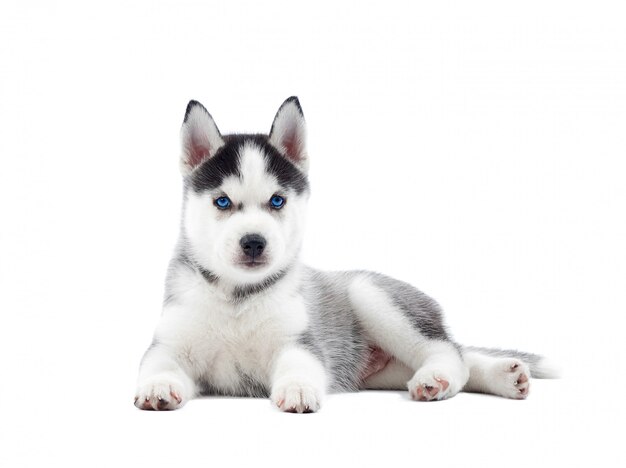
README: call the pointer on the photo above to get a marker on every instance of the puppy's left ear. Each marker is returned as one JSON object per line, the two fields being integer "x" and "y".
{"x": 288, "y": 133}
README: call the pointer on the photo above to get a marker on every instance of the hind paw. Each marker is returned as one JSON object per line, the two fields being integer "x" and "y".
{"x": 511, "y": 378}
{"x": 426, "y": 386}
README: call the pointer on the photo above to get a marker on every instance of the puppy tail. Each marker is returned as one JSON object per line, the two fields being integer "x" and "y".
{"x": 540, "y": 366}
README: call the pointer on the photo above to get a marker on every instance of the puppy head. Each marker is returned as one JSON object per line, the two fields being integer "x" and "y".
{"x": 245, "y": 195}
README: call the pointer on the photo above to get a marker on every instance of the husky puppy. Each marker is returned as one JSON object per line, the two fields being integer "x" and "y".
{"x": 242, "y": 316}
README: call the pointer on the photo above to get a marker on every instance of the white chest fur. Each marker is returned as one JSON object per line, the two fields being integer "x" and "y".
{"x": 217, "y": 341}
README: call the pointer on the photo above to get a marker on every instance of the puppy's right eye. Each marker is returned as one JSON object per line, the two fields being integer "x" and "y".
{"x": 222, "y": 203}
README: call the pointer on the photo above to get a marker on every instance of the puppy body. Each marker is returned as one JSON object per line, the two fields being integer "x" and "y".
{"x": 242, "y": 316}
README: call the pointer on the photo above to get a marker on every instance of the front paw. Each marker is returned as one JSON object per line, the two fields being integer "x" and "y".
{"x": 160, "y": 393}
{"x": 296, "y": 396}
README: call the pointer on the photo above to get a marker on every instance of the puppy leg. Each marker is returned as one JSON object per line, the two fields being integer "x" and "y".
{"x": 298, "y": 381}
{"x": 503, "y": 376}
{"x": 439, "y": 370}
{"x": 162, "y": 383}
{"x": 442, "y": 373}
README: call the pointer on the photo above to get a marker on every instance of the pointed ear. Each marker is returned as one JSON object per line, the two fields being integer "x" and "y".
{"x": 288, "y": 133}
{"x": 199, "y": 137}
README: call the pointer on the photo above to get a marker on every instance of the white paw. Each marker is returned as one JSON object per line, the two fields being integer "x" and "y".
{"x": 510, "y": 378}
{"x": 161, "y": 392}
{"x": 296, "y": 396}
{"x": 427, "y": 385}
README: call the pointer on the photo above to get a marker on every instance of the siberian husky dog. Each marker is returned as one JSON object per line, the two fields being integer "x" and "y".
{"x": 242, "y": 316}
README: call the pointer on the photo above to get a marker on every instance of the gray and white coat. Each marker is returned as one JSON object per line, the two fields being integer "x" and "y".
{"x": 242, "y": 316}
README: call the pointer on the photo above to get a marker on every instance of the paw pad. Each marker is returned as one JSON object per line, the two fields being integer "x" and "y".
{"x": 511, "y": 379}
{"x": 295, "y": 397}
{"x": 434, "y": 390}
{"x": 158, "y": 397}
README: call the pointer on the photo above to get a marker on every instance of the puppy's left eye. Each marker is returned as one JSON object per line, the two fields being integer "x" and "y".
{"x": 277, "y": 202}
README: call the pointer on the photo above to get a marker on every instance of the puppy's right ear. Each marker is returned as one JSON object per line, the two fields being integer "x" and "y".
{"x": 199, "y": 137}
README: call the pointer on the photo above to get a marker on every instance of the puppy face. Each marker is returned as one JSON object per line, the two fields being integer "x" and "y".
{"x": 245, "y": 195}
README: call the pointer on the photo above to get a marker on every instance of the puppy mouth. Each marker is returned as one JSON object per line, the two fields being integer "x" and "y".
{"x": 251, "y": 264}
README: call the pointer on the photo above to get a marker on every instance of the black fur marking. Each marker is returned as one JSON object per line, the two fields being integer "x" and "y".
{"x": 241, "y": 293}
{"x": 210, "y": 174}
{"x": 288, "y": 175}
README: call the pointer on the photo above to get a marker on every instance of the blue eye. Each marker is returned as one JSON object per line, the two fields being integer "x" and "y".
{"x": 222, "y": 203}
{"x": 277, "y": 202}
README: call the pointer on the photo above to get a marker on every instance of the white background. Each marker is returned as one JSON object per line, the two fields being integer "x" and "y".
{"x": 474, "y": 149}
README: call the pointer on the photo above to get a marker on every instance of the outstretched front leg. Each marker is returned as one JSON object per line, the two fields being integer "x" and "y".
{"x": 162, "y": 383}
{"x": 408, "y": 325}
{"x": 298, "y": 381}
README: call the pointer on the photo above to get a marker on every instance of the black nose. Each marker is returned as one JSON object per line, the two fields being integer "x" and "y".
{"x": 252, "y": 245}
